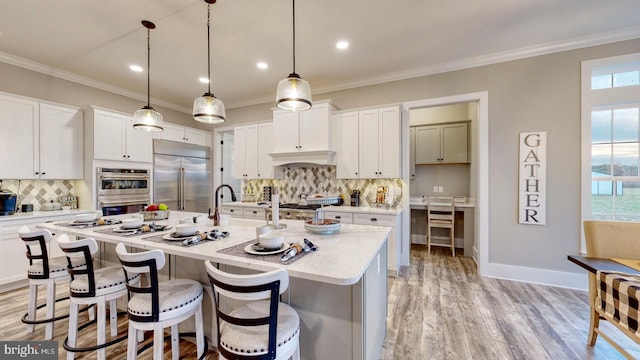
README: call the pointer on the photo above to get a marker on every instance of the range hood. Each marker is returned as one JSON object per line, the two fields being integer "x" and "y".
{"x": 319, "y": 157}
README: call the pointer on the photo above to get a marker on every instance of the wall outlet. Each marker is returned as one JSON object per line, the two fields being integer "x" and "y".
{"x": 441, "y": 188}
{"x": 435, "y": 188}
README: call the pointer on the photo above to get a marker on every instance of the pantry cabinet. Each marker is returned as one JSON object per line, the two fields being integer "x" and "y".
{"x": 114, "y": 138}
{"x": 184, "y": 134}
{"x": 303, "y": 131}
{"x": 45, "y": 140}
{"x": 252, "y": 146}
{"x": 441, "y": 144}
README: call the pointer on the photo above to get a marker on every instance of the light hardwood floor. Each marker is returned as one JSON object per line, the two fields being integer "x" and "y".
{"x": 438, "y": 309}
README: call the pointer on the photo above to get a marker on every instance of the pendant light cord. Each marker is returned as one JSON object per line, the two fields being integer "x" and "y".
{"x": 293, "y": 15}
{"x": 148, "y": 67}
{"x": 209, "y": 46}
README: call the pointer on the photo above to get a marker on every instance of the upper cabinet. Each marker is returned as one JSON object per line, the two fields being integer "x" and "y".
{"x": 441, "y": 144}
{"x": 303, "y": 133}
{"x": 114, "y": 138}
{"x": 369, "y": 143}
{"x": 185, "y": 134}
{"x": 252, "y": 146}
{"x": 44, "y": 140}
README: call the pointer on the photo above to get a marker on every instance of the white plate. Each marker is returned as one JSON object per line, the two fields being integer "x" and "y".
{"x": 171, "y": 237}
{"x": 249, "y": 249}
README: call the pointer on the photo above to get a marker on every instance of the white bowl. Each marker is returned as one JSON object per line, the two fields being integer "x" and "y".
{"x": 85, "y": 217}
{"x": 186, "y": 229}
{"x": 271, "y": 241}
{"x": 132, "y": 223}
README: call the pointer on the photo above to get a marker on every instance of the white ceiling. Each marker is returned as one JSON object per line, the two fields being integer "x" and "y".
{"x": 94, "y": 41}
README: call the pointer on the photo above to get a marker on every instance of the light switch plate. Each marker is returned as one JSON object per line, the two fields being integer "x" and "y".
{"x": 435, "y": 189}
{"x": 440, "y": 188}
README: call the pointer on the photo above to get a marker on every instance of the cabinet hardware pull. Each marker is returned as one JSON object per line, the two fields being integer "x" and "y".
{"x": 254, "y": 211}
{"x": 374, "y": 219}
{"x": 338, "y": 217}
{"x": 37, "y": 172}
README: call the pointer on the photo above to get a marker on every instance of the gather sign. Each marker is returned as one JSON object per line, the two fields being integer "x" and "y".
{"x": 532, "y": 178}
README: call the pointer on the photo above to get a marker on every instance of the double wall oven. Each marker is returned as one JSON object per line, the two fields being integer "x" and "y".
{"x": 122, "y": 191}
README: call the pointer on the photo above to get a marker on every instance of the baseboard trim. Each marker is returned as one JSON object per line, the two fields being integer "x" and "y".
{"x": 556, "y": 278}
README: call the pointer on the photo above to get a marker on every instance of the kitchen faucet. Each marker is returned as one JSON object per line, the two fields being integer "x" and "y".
{"x": 216, "y": 212}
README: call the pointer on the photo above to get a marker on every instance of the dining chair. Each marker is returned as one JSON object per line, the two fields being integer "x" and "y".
{"x": 441, "y": 214}
{"x": 159, "y": 304}
{"x": 262, "y": 327}
{"x": 609, "y": 239}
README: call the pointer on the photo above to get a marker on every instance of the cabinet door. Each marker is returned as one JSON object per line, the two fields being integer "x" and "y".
{"x": 254, "y": 213}
{"x": 454, "y": 143}
{"x": 236, "y": 212}
{"x": 392, "y": 241}
{"x": 195, "y": 136}
{"x": 368, "y": 137}
{"x": 265, "y": 147}
{"x": 389, "y": 143}
{"x": 60, "y": 142}
{"x": 173, "y": 133}
{"x": 239, "y": 151}
{"x": 19, "y": 144}
{"x": 109, "y": 136}
{"x": 428, "y": 144}
{"x": 251, "y": 152}
{"x": 285, "y": 132}
{"x": 347, "y": 146}
{"x": 314, "y": 129}
{"x": 139, "y": 143}
{"x": 412, "y": 153}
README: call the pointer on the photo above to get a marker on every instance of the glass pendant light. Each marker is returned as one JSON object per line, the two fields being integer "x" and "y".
{"x": 147, "y": 118}
{"x": 294, "y": 93}
{"x": 207, "y": 108}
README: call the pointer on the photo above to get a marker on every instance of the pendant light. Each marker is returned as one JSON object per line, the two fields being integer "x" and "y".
{"x": 147, "y": 118}
{"x": 294, "y": 93}
{"x": 207, "y": 108}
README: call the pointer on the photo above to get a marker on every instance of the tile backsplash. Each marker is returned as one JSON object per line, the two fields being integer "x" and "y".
{"x": 322, "y": 179}
{"x": 39, "y": 192}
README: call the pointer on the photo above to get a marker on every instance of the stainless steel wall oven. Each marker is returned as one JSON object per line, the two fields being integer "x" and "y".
{"x": 122, "y": 191}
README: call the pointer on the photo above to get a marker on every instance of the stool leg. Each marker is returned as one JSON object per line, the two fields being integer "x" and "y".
{"x": 113, "y": 318}
{"x": 73, "y": 328}
{"x": 51, "y": 309}
{"x": 158, "y": 342}
{"x": 33, "y": 302}
{"x": 132, "y": 346}
{"x": 199, "y": 332}
{"x": 175, "y": 342}
{"x": 296, "y": 355}
{"x": 140, "y": 334}
{"x": 101, "y": 326}
{"x": 453, "y": 244}
{"x": 428, "y": 239}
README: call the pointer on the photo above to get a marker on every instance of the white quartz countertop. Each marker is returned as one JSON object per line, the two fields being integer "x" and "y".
{"x": 353, "y": 209}
{"x": 22, "y": 217}
{"x": 341, "y": 259}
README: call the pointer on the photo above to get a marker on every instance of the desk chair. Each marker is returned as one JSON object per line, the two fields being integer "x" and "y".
{"x": 92, "y": 286}
{"x": 260, "y": 329}
{"x": 609, "y": 239}
{"x": 160, "y": 304}
{"x": 43, "y": 271}
{"x": 441, "y": 214}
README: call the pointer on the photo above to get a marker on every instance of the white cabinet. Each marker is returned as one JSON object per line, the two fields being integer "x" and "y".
{"x": 303, "y": 131}
{"x": 375, "y": 151}
{"x": 185, "y": 134}
{"x": 252, "y": 146}
{"x": 243, "y": 212}
{"x": 393, "y": 242}
{"x": 236, "y": 212}
{"x": 254, "y": 213}
{"x": 342, "y": 216}
{"x": 441, "y": 144}
{"x": 44, "y": 140}
{"x": 114, "y": 138}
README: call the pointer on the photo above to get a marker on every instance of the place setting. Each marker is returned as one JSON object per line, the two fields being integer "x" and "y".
{"x": 134, "y": 226}
{"x": 83, "y": 221}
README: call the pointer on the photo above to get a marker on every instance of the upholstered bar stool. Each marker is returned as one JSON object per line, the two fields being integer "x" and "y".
{"x": 92, "y": 286}
{"x": 259, "y": 329}
{"x": 160, "y": 304}
{"x": 43, "y": 271}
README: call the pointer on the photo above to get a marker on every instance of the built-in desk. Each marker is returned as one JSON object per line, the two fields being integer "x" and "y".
{"x": 464, "y": 224}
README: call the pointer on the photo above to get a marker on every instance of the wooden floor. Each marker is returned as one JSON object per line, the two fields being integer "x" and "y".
{"x": 438, "y": 309}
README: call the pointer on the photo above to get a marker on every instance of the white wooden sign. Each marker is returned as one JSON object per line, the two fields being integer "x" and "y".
{"x": 532, "y": 178}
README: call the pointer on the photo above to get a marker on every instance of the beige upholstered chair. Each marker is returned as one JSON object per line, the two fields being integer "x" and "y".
{"x": 609, "y": 239}
{"x": 441, "y": 214}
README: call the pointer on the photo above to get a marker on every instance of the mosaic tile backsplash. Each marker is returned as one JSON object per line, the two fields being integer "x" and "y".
{"x": 322, "y": 179}
{"x": 39, "y": 192}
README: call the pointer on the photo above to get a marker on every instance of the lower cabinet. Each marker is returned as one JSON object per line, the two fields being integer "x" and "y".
{"x": 393, "y": 243}
{"x": 243, "y": 212}
{"x": 253, "y": 213}
{"x": 342, "y": 216}
{"x": 236, "y": 212}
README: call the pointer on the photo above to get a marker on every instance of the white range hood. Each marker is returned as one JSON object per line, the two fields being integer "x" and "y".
{"x": 320, "y": 157}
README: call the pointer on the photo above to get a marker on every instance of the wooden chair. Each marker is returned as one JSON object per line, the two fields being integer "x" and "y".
{"x": 92, "y": 286}
{"x": 441, "y": 214}
{"x": 160, "y": 304}
{"x": 259, "y": 329}
{"x": 609, "y": 239}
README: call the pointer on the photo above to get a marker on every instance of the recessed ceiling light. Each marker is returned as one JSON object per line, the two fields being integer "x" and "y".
{"x": 135, "y": 68}
{"x": 342, "y": 45}
{"x": 204, "y": 80}
{"x": 262, "y": 65}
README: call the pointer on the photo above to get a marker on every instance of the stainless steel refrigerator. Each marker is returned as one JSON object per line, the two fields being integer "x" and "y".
{"x": 181, "y": 176}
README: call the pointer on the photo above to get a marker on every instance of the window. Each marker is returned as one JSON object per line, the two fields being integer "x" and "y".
{"x": 611, "y": 138}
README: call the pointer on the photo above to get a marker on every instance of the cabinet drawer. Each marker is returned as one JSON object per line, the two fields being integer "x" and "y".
{"x": 374, "y": 219}
{"x": 342, "y": 216}
{"x": 256, "y": 214}
{"x": 234, "y": 211}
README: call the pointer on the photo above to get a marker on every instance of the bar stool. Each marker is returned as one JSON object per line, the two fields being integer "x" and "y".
{"x": 243, "y": 335}
{"x": 92, "y": 286}
{"x": 43, "y": 271}
{"x": 161, "y": 304}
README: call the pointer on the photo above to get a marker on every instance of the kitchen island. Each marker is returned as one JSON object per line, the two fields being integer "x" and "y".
{"x": 340, "y": 291}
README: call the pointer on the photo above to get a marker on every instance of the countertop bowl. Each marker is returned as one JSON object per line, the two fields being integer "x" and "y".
{"x": 328, "y": 227}
{"x": 132, "y": 223}
{"x": 85, "y": 217}
{"x": 186, "y": 229}
{"x": 271, "y": 241}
